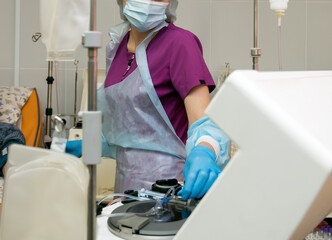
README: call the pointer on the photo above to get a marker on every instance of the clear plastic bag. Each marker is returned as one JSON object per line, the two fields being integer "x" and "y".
{"x": 62, "y": 24}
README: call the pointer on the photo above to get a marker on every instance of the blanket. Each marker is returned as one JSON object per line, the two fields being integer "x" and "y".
{"x": 9, "y": 134}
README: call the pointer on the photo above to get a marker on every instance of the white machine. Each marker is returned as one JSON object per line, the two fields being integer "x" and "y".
{"x": 279, "y": 183}
{"x": 45, "y": 196}
{"x": 277, "y": 186}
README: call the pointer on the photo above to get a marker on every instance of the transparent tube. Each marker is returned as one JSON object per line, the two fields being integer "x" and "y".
{"x": 279, "y": 15}
{"x": 279, "y": 48}
{"x": 122, "y": 195}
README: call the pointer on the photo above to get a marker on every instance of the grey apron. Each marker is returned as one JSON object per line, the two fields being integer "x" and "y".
{"x": 147, "y": 147}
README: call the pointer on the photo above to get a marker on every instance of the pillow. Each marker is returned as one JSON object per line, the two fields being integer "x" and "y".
{"x": 32, "y": 120}
{"x": 12, "y": 99}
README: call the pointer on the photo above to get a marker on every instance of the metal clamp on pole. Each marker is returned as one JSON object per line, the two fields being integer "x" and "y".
{"x": 256, "y": 52}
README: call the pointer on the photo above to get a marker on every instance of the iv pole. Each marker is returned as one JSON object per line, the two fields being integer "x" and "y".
{"x": 255, "y": 51}
{"x": 91, "y": 146}
{"x": 49, "y": 111}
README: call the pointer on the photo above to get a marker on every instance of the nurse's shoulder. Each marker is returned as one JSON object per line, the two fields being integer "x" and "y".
{"x": 182, "y": 38}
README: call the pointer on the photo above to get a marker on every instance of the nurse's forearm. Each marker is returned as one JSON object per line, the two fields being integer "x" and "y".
{"x": 196, "y": 102}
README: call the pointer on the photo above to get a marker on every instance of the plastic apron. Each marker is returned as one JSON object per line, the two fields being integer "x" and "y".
{"x": 147, "y": 147}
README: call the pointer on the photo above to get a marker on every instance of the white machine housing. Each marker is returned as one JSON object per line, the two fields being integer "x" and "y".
{"x": 45, "y": 196}
{"x": 279, "y": 183}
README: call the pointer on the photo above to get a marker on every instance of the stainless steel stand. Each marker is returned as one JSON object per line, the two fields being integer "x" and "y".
{"x": 255, "y": 51}
{"x": 49, "y": 110}
{"x": 92, "y": 119}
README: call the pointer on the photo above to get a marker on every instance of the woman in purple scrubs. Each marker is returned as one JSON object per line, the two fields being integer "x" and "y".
{"x": 158, "y": 86}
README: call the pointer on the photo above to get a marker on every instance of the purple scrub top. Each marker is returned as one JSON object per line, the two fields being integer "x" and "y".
{"x": 176, "y": 65}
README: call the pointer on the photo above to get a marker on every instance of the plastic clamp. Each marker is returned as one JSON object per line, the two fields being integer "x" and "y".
{"x": 92, "y": 39}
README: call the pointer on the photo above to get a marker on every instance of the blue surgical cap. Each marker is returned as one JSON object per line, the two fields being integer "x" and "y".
{"x": 170, "y": 11}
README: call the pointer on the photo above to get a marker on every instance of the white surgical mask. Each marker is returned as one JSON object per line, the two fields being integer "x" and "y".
{"x": 145, "y": 15}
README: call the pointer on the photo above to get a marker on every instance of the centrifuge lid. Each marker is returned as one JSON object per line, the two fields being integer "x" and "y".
{"x": 130, "y": 222}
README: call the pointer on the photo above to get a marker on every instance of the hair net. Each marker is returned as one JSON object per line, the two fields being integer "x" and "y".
{"x": 170, "y": 11}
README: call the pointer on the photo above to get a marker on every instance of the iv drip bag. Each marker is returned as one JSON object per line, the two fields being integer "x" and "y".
{"x": 62, "y": 24}
{"x": 278, "y": 5}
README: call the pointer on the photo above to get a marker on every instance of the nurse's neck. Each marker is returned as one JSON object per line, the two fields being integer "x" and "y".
{"x": 135, "y": 38}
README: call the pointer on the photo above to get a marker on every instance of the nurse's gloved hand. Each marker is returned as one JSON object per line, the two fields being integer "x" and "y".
{"x": 74, "y": 148}
{"x": 200, "y": 171}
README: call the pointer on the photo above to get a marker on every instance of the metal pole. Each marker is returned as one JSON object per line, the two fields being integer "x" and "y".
{"x": 75, "y": 98}
{"x": 255, "y": 59}
{"x": 92, "y": 203}
{"x": 49, "y": 110}
{"x": 92, "y": 106}
{"x": 255, "y": 51}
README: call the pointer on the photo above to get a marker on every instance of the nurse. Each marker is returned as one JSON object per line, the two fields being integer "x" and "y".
{"x": 153, "y": 102}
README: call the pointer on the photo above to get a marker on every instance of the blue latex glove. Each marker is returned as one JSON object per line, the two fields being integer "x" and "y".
{"x": 204, "y": 126}
{"x": 74, "y": 148}
{"x": 200, "y": 171}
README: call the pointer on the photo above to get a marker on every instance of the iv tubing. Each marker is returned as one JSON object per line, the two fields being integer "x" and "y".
{"x": 279, "y": 48}
{"x": 122, "y": 195}
{"x": 279, "y": 15}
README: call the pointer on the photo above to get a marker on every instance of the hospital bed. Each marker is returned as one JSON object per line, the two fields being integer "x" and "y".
{"x": 21, "y": 106}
